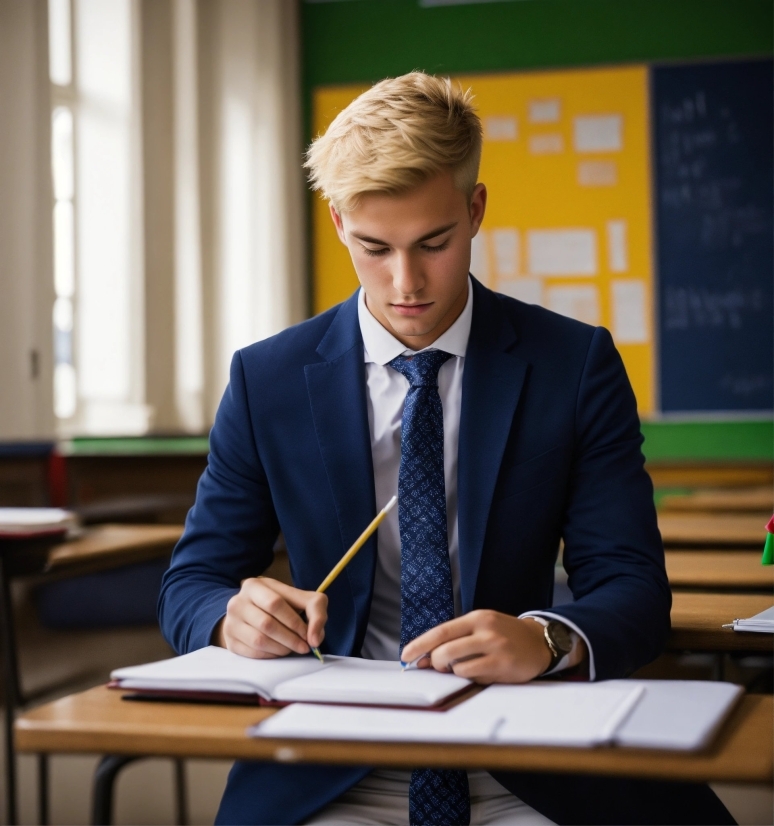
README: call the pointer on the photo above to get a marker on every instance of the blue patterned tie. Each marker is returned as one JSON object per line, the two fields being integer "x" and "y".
{"x": 435, "y": 797}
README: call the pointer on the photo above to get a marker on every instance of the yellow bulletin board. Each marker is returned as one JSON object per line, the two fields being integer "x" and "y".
{"x": 568, "y": 223}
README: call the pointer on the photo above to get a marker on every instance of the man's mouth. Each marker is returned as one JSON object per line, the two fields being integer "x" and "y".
{"x": 411, "y": 309}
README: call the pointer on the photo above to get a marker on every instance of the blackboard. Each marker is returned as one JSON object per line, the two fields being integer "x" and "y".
{"x": 713, "y": 141}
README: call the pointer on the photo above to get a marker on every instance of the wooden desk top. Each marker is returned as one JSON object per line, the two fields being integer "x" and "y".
{"x": 723, "y": 570}
{"x": 109, "y": 545}
{"x": 754, "y": 500}
{"x": 710, "y": 474}
{"x": 98, "y": 721}
{"x": 712, "y": 529}
{"x": 697, "y": 619}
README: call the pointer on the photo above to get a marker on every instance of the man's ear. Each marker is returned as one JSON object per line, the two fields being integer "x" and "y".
{"x": 337, "y": 222}
{"x": 477, "y": 208}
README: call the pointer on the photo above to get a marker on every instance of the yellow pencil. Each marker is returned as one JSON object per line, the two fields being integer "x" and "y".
{"x": 345, "y": 560}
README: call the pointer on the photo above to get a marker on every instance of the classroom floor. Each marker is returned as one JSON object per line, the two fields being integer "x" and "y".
{"x": 144, "y": 792}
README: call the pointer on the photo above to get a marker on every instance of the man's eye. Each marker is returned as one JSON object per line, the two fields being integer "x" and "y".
{"x": 438, "y": 248}
{"x": 376, "y": 253}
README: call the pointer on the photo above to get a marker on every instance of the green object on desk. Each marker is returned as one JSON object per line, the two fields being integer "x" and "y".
{"x": 768, "y": 548}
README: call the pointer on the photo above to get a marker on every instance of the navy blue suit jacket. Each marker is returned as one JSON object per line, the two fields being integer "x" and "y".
{"x": 549, "y": 449}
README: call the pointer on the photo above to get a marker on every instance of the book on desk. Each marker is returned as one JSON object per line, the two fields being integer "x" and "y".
{"x": 349, "y": 698}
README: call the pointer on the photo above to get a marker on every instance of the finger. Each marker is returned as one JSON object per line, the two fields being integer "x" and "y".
{"x": 463, "y": 648}
{"x": 243, "y": 650}
{"x": 263, "y": 594}
{"x": 256, "y": 641}
{"x": 446, "y": 631}
{"x": 314, "y": 605}
{"x": 482, "y": 670}
{"x": 264, "y": 623}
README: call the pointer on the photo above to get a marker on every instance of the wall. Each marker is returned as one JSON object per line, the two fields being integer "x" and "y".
{"x": 355, "y": 41}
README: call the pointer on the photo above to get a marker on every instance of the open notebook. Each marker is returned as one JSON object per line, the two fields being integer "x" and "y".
{"x": 217, "y": 674}
{"x": 663, "y": 714}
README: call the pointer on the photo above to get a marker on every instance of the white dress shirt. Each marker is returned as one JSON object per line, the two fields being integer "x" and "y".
{"x": 386, "y": 394}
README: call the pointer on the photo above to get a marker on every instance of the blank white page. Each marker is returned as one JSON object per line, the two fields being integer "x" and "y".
{"x": 677, "y": 714}
{"x": 370, "y": 682}
{"x": 553, "y": 714}
{"x": 323, "y": 722}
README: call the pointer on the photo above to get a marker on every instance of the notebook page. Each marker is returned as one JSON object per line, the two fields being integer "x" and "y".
{"x": 370, "y": 682}
{"x": 324, "y": 722}
{"x": 216, "y": 669}
{"x": 553, "y": 714}
{"x": 678, "y": 714}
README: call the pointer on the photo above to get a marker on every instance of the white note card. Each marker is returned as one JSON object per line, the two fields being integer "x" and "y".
{"x": 598, "y": 133}
{"x": 618, "y": 259}
{"x": 580, "y": 303}
{"x": 506, "y": 252}
{"x": 549, "y": 143}
{"x": 562, "y": 251}
{"x": 479, "y": 257}
{"x": 528, "y": 290}
{"x": 500, "y": 128}
{"x": 544, "y": 111}
{"x": 597, "y": 173}
{"x": 630, "y": 325}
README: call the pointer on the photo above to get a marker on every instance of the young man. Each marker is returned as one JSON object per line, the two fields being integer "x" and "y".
{"x": 503, "y": 428}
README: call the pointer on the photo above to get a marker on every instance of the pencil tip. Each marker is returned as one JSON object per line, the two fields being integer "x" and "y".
{"x": 316, "y": 652}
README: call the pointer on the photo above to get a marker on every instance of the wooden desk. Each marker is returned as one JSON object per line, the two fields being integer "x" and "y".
{"x": 697, "y": 619}
{"x": 758, "y": 500}
{"x": 719, "y": 570}
{"x": 712, "y": 529}
{"x": 98, "y": 721}
{"x": 681, "y": 474}
{"x": 109, "y": 545}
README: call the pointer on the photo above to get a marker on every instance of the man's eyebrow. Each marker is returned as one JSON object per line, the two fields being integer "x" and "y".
{"x": 426, "y": 237}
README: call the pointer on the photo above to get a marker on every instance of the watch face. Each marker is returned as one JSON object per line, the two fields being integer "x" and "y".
{"x": 560, "y": 635}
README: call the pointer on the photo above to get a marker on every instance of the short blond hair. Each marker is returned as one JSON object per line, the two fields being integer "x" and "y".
{"x": 398, "y": 134}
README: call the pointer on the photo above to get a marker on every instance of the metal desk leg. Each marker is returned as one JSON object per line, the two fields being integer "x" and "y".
{"x": 11, "y": 684}
{"x": 43, "y": 789}
{"x": 104, "y": 778}
{"x": 181, "y": 802}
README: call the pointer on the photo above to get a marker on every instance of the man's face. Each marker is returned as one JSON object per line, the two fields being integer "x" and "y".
{"x": 411, "y": 253}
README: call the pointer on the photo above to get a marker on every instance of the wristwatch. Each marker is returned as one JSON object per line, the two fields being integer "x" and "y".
{"x": 558, "y": 639}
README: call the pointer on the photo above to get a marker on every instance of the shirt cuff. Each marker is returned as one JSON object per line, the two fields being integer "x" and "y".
{"x": 562, "y": 664}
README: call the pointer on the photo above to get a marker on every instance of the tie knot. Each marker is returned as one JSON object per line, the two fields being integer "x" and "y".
{"x": 422, "y": 369}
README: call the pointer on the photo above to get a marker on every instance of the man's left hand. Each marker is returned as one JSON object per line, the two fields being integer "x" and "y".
{"x": 485, "y": 646}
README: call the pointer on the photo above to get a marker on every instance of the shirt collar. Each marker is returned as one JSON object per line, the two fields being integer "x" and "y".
{"x": 381, "y": 347}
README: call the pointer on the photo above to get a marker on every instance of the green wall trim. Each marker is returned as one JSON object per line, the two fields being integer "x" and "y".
{"x": 709, "y": 441}
{"x": 136, "y": 446}
{"x": 365, "y": 40}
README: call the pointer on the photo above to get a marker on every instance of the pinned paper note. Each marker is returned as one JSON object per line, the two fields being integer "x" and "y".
{"x": 544, "y": 111}
{"x": 628, "y": 298}
{"x": 598, "y": 133}
{"x": 618, "y": 260}
{"x": 562, "y": 252}
{"x": 506, "y": 252}
{"x": 580, "y": 303}
{"x": 528, "y": 290}
{"x": 500, "y": 128}
{"x": 597, "y": 173}
{"x": 550, "y": 143}
{"x": 479, "y": 257}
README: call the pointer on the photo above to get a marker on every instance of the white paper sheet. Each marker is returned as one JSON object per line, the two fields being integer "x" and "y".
{"x": 598, "y": 133}
{"x": 544, "y": 111}
{"x": 597, "y": 173}
{"x": 562, "y": 252}
{"x": 580, "y": 303}
{"x": 500, "y": 128}
{"x": 762, "y": 623}
{"x": 629, "y": 310}
{"x": 617, "y": 252}
{"x": 549, "y": 143}
{"x": 528, "y": 290}
{"x": 506, "y": 252}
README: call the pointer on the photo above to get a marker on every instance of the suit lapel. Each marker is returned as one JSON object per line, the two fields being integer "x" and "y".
{"x": 337, "y": 395}
{"x": 491, "y": 387}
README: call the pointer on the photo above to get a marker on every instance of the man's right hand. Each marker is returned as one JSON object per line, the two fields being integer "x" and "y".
{"x": 263, "y": 620}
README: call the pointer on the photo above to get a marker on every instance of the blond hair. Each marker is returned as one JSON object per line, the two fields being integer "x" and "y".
{"x": 398, "y": 134}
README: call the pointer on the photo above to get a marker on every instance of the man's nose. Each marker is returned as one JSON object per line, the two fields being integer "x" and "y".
{"x": 407, "y": 277}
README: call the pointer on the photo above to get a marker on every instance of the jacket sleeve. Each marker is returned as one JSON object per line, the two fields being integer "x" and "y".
{"x": 229, "y": 533}
{"x": 613, "y": 552}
